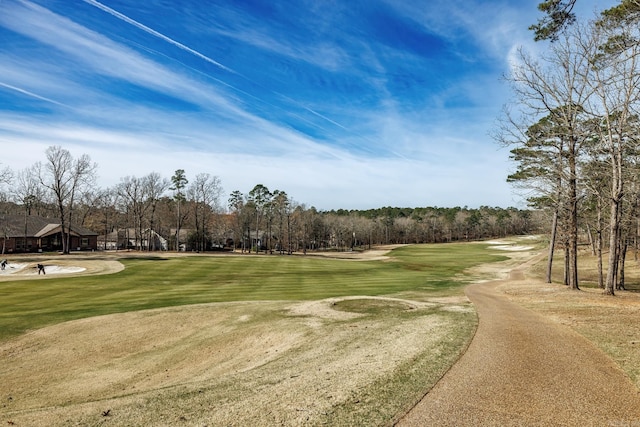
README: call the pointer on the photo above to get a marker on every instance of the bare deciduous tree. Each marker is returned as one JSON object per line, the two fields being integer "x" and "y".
{"x": 615, "y": 79}
{"x": 65, "y": 177}
{"x": 204, "y": 193}
{"x": 558, "y": 86}
{"x": 154, "y": 187}
{"x": 28, "y": 192}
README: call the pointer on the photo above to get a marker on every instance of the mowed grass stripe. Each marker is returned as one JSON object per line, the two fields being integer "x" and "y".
{"x": 148, "y": 283}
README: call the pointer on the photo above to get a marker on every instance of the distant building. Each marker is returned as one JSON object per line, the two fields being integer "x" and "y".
{"x": 19, "y": 233}
{"x": 127, "y": 238}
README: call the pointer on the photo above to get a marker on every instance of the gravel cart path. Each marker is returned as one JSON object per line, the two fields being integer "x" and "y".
{"x": 524, "y": 370}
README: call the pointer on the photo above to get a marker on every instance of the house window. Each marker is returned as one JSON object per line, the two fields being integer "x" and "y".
{"x": 21, "y": 246}
{"x": 85, "y": 241}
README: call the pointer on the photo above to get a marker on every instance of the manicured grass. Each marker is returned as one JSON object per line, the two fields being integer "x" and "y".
{"x": 164, "y": 282}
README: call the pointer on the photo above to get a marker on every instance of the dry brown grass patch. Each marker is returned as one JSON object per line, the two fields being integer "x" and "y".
{"x": 264, "y": 363}
{"x": 609, "y": 322}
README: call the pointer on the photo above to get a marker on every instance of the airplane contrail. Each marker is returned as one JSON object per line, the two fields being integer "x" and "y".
{"x": 157, "y": 34}
{"x": 34, "y": 95}
{"x": 186, "y": 48}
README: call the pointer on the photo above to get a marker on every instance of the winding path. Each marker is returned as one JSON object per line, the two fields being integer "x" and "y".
{"x": 524, "y": 370}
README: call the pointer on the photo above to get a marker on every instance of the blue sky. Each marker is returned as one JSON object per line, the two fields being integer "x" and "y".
{"x": 349, "y": 104}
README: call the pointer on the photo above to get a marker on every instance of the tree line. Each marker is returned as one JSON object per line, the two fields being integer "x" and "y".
{"x": 191, "y": 213}
{"x": 575, "y": 130}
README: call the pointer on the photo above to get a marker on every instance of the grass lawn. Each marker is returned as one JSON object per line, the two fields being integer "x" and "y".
{"x": 149, "y": 282}
{"x": 274, "y": 349}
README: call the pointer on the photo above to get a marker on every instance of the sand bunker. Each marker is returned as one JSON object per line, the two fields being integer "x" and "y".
{"x": 27, "y": 269}
{"x": 506, "y": 245}
{"x": 22, "y": 269}
{"x": 512, "y": 248}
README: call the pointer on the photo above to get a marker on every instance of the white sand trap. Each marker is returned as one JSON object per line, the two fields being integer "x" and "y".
{"x": 505, "y": 245}
{"x": 60, "y": 266}
{"x": 512, "y": 248}
{"x": 13, "y": 268}
{"x": 496, "y": 242}
{"x": 56, "y": 269}
{"x": 24, "y": 269}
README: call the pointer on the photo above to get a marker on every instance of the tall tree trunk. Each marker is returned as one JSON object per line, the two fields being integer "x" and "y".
{"x": 617, "y": 191}
{"x": 623, "y": 256}
{"x": 614, "y": 231}
{"x": 573, "y": 220}
{"x": 600, "y": 267}
{"x": 178, "y": 229}
{"x": 552, "y": 244}
{"x": 63, "y": 228}
{"x": 599, "y": 243}
{"x": 635, "y": 237}
{"x": 592, "y": 243}
{"x": 567, "y": 262}
{"x": 257, "y": 237}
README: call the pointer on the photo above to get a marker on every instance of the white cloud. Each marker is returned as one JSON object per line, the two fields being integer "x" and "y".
{"x": 326, "y": 181}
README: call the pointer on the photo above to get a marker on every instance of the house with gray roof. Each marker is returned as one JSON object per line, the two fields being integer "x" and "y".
{"x": 29, "y": 233}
